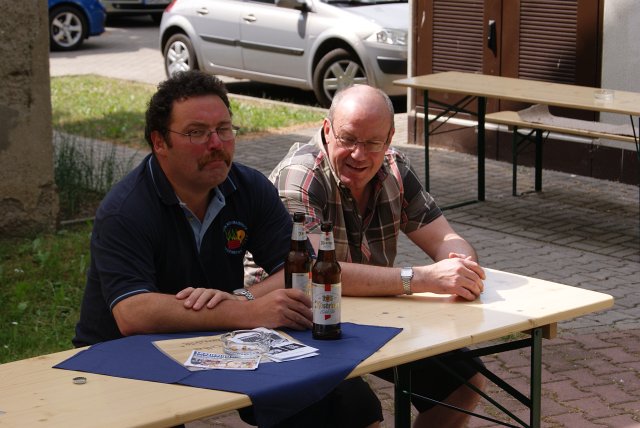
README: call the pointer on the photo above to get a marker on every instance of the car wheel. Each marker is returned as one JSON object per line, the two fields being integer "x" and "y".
{"x": 179, "y": 55}
{"x": 337, "y": 70}
{"x": 67, "y": 28}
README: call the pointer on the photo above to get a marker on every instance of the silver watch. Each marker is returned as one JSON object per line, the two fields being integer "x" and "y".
{"x": 244, "y": 292}
{"x": 406, "y": 273}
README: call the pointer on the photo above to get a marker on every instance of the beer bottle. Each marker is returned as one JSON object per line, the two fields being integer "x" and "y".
{"x": 326, "y": 287}
{"x": 297, "y": 266}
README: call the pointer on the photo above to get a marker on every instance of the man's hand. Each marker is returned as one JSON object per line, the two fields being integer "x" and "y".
{"x": 283, "y": 308}
{"x": 198, "y": 298}
{"x": 458, "y": 275}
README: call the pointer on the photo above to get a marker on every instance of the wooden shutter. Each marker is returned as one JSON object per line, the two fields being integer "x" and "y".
{"x": 548, "y": 40}
{"x": 457, "y": 35}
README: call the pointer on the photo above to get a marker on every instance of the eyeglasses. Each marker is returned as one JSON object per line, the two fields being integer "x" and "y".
{"x": 350, "y": 143}
{"x": 201, "y": 136}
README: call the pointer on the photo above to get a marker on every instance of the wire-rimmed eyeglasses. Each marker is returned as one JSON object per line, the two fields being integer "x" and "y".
{"x": 350, "y": 143}
{"x": 201, "y": 136}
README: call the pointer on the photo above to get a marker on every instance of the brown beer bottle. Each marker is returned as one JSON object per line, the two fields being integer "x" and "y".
{"x": 297, "y": 266}
{"x": 326, "y": 285}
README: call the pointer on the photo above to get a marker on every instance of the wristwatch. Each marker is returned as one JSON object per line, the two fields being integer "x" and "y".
{"x": 244, "y": 292}
{"x": 406, "y": 274}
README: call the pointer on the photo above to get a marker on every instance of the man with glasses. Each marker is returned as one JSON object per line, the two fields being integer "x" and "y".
{"x": 349, "y": 175}
{"x": 169, "y": 240}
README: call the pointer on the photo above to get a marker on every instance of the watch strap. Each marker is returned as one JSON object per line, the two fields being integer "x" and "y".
{"x": 244, "y": 292}
{"x": 406, "y": 280}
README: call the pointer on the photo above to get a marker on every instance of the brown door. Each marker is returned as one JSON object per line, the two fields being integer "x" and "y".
{"x": 551, "y": 40}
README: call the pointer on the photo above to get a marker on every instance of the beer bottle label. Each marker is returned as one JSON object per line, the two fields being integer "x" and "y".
{"x": 301, "y": 281}
{"x": 298, "y": 233}
{"x": 326, "y": 303}
{"x": 326, "y": 241}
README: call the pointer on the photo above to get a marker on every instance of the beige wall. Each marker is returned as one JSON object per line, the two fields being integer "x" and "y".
{"x": 28, "y": 200}
{"x": 621, "y": 50}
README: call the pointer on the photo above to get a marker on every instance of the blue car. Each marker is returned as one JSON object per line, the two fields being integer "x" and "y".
{"x": 72, "y": 21}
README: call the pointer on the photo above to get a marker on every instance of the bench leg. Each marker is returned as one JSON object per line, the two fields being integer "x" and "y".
{"x": 519, "y": 142}
{"x": 538, "y": 160}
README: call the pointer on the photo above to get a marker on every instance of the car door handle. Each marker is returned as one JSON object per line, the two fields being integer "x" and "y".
{"x": 202, "y": 11}
{"x": 250, "y": 18}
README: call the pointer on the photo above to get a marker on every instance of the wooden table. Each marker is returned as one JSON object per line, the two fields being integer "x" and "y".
{"x": 32, "y": 393}
{"x": 483, "y": 87}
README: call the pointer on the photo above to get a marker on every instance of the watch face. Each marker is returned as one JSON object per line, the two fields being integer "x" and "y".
{"x": 406, "y": 273}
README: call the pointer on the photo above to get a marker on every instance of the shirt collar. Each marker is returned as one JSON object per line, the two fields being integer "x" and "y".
{"x": 165, "y": 190}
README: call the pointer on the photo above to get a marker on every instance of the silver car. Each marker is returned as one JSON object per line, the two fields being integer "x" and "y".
{"x": 323, "y": 45}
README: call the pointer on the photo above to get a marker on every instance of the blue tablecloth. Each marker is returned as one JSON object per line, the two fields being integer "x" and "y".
{"x": 277, "y": 390}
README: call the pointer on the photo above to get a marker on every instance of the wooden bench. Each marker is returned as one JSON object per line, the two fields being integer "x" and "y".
{"x": 514, "y": 122}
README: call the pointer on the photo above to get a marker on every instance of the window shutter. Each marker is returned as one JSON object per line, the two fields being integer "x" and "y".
{"x": 457, "y": 35}
{"x": 548, "y": 35}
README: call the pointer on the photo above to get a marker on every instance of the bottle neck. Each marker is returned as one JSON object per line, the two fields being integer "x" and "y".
{"x": 326, "y": 242}
{"x": 327, "y": 248}
{"x": 298, "y": 233}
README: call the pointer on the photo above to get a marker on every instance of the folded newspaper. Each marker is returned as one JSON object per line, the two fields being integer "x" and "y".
{"x": 281, "y": 349}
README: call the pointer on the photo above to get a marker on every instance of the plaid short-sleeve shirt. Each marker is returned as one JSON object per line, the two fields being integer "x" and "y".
{"x": 307, "y": 182}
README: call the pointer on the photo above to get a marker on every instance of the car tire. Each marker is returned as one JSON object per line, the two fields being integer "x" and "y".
{"x": 67, "y": 28}
{"x": 179, "y": 55}
{"x": 336, "y": 70}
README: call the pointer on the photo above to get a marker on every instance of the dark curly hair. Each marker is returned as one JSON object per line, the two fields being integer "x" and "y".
{"x": 180, "y": 86}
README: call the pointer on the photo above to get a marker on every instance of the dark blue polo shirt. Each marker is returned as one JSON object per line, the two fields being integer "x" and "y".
{"x": 142, "y": 242}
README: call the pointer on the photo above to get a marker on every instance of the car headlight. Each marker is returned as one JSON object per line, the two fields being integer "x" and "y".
{"x": 389, "y": 36}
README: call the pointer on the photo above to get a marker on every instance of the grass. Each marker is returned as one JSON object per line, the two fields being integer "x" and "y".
{"x": 42, "y": 277}
{"x": 99, "y": 107}
{"x": 113, "y": 110}
{"x": 42, "y": 282}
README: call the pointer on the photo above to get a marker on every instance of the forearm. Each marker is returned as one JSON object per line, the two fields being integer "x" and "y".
{"x": 366, "y": 280}
{"x": 450, "y": 276}
{"x": 149, "y": 313}
{"x": 438, "y": 239}
{"x": 454, "y": 243}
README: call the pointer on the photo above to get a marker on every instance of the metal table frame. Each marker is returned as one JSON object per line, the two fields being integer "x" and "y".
{"x": 533, "y": 401}
{"x": 450, "y": 110}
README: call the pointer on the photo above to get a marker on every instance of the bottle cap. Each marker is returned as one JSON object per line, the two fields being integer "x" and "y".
{"x": 80, "y": 380}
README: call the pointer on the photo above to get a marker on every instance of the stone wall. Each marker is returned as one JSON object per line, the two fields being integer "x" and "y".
{"x": 28, "y": 199}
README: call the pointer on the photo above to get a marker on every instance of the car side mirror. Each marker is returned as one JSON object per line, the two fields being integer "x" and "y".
{"x": 302, "y": 5}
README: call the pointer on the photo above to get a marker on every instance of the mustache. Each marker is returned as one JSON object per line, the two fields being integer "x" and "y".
{"x": 214, "y": 156}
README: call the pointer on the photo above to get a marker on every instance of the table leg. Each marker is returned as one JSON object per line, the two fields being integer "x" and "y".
{"x": 637, "y": 139}
{"x": 514, "y": 161}
{"x": 402, "y": 400}
{"x": 536, "y": 377}
{"x": 482, "y": 104}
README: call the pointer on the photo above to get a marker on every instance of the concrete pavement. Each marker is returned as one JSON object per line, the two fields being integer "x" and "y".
{"x": 578, "y": 231}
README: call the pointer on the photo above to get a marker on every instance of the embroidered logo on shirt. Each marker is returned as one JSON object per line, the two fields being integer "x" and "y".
{"x": 236, "y": 235}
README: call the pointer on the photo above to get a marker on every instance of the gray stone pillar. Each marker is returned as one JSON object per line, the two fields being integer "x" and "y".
{"x": 28, "y": 199}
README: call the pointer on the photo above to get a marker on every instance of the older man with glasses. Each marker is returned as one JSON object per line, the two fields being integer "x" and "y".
{"x": 349, "y": 175}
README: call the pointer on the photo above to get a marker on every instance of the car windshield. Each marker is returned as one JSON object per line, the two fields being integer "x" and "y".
{"x": 363, "y": 2}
